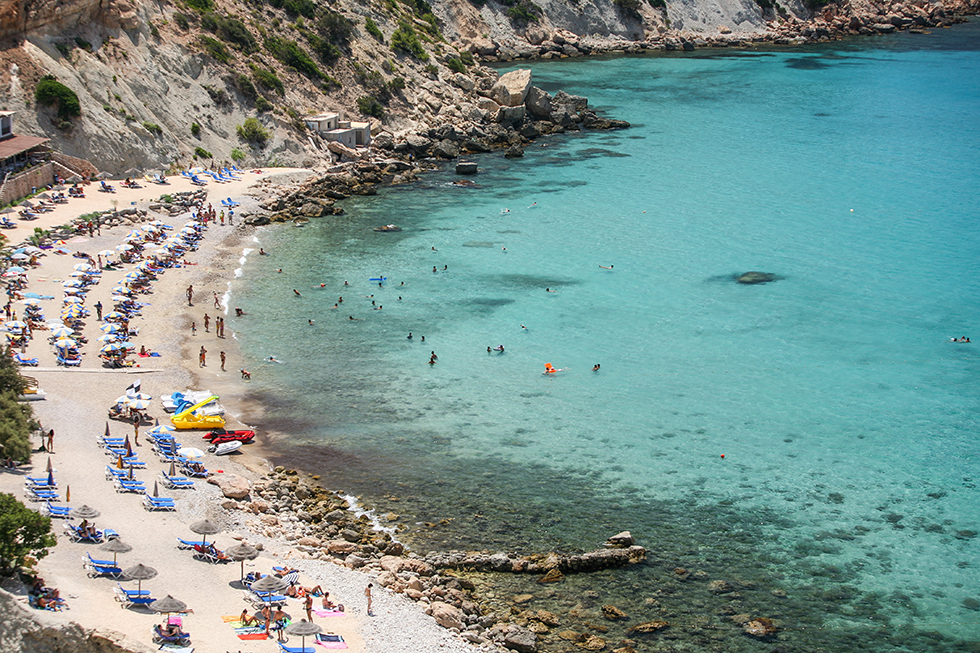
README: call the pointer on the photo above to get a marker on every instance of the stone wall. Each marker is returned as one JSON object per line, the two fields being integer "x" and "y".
{"x": 20, "y": 185}
{"x": 25, "y": 630}
{"x": 73, "y": 165}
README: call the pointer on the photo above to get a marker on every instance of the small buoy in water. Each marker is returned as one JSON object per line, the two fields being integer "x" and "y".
{"x": 722, "y": 455}
{"x": 852, "y": 210}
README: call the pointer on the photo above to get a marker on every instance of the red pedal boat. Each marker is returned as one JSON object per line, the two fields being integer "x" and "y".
{"x": 220, "y": 436}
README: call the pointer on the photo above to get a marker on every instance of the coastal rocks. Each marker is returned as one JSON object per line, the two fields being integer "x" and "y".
{"x": 446, "y": 615}
{"x": 648, "y": 627}
{"x": 591, "y": 643}
{"x": 539, "y": 103}
{"x": 623, "y": 539}
{"x": 720, "y": 587}
{"x": 612, "y": 613}
{"x": 520, "y": 639}
{"x": 231, "y": 485}
{"x": 760, "y": 628}
{"x": 753, "y": 277}
{"x": 514, "y": 152}
{"x": 512, "y": 89}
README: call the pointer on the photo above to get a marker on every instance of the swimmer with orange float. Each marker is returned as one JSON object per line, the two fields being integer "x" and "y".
{"x": 551, "y": 369}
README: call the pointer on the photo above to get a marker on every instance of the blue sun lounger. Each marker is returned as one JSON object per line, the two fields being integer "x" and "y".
{"x": 152, "y": 503}
{"x": 62, "y": 512}
{"x": 129, "y": 601}
{"x": 189, "y": 544}
{"x": 296, "y": 649}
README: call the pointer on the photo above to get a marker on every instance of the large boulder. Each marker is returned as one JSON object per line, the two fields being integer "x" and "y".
{"x": 577, "y": 101}
{"x": 511, "y": 89}
{"x": 463, "y": 82}
{"x": 756, "y": 277}
{"x": 521, "y": 640}
{"x": 538, "y": 103}
{"x": 511, "y": 115}
{"x": 446, "y": 615}
{"x": 231, "y": 485}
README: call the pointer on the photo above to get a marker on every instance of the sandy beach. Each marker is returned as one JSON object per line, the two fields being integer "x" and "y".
{"x": 76, "y": 406}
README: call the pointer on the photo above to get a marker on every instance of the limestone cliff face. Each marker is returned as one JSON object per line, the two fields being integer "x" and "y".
{"x": 144, "y": 78}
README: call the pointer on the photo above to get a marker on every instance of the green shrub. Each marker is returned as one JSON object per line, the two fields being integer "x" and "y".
{"x": 455, "y": 65}
{"x": 292, "y": 55}
{"x": 267, "y": 79}
{"x": 201, "y": 153}
{"x": 373, "y": 29}
{"x": 154, "y": 31}
{"x": 153, "y": 128}
{"x": 370, "y": 106}
{"x": 218, "y": 95}
{"x": 235, "y": 32}
{"x": 334, "y": 27}
{"x": 246, "y": 86}
{"x": 83, "y": 44}
{"x": 523, "y": 11}
{"x": 23, "y": 533}
{"x": 50, "y": 92}
{"x": 300, "y": 8}
{"x": 262, "y": 104}
{"x": 209, "y": 22}
{"x": 196, "y": 130}
{"x": 467, "y": 57}
{"x": 397, "y": 84}
{"x": 181, "y": 21}
{"x": 64, "y": 49}
{"x": 252, "y": 131}
{"x": 107, "y": 108}
{"x": 432, "y": 69}
{"x": 406, "y": 40}
{"x": 327, "y": 51}
{"x": 200, "y": 5}
{"x": 216, "y": 49}
{"x": 237, "y": 155}
{"x": 16, "y": 419}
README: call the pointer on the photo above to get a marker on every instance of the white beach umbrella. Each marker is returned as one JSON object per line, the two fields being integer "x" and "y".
{"x": 138, "y": 404}
{"x": 74, "y": 291}
{"x": 109, "y": 337}
{"x": 63, "y": 343}
{"x": 78, "y": 274}
{"x": 123, "y": 247}
{"x": 190, "y": 452}
{"x": 73, "y": 300}
{"x": 62, "y": 331}
{"x": 110, "y": 328}
{"x": 72, "y": 283}
{"x": 20, "y": 257}
{"x": 129, "y": 345}
{"x": 83, "y": 267}
{"x": 30, "y": 302}
{"x": 106, "y": 253}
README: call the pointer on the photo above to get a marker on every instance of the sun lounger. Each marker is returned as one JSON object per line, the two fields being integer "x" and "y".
{"x": 129, "y": 601}
{"x": 210, "y": 553}
{"x": 132, "y": 593}
{"x": 39, "y": 482}
{"x": 69, "y": 362}
{"x": 75, "y": 534}
{"x": 152, "y": 503}
{"x": 176, "y": 482}
{"x": 133, "y": 462}
{"x": 61, "y": 512}
{"x": 198, "y": 182}
{"x": 114, "y": 472}
{"x": 92, "y": 561}
{"x": 125, "y": 485}
{"x": 40, "y": 494}
{"x": 96, "y": 570}
{"x": 189, "y": 544}
{"x": 296, "y": 649}
{"x": 262, "y": 599}
{"x": 159, "y": 637}
{"x": 24, "y": 360}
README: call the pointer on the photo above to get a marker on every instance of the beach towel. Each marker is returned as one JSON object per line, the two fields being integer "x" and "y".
{"x": 176, "y": 648}
{"x": 34, "y": 295}
{"x": 330, "y": 613}
{"x": 329, "y": 640}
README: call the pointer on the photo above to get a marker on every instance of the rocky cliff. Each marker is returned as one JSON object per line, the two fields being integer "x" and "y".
{"x": 169, "y": 83}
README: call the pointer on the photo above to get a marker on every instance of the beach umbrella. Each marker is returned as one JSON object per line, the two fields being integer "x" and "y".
{"x": 123, "y": 247}
{"x": 16, "y": 269}
{"x": 62, "y": 331}
{"x": 119, "y": 462}
{"x": 50, "y": 476}
{"x": 65, "y": 343}
{"x": 106, "y": 253}
{"x": 74, "y": 291}
{"x": 71, "y": 283}
{"x": 190, "y": 453}
{"x": 242, "y": 552}
{"x": 130, "y": 467}
{"x": 140, "y": 573}
{"x": 78, "y": 274}
{"x": 9, "y": 274}
{"x": 269, "y": 583}
{"x": 161, "y": 428}
{"x": 20, "y": 257}
{"x": 15, "y": 324}
{"x": 107, "y": 429}
{"x": 26, "y": 203}
{"x": 83, "y": 267}
{"x": 110, "y": 347}
{"x": 168, "y": 605}
{"x": 115, "y": 546}
{"x": 68, "y": 494}
{"x": 60, "y": 187}
{"x": 205, "y": 527}
{"x": 138, "y": 404}
{"x": 74, "y": 179}
{"x": 44, "y": 196}
{"x": 7, "y": 210}
{"x": 110, "y": 328}
{"x": 85, "y": 512}
{"x": 156, "y": 490}
{"x": 73, "y": 300}
{"x": 49, "y": 465}
{"x": 173, "y": 469}
{"x": 109, "y": 337}
{"x": 103, "y": 175}
{"x": 127, "y": 345}
{"x": 304, "y": 629}
{"x": 114, "y": 315}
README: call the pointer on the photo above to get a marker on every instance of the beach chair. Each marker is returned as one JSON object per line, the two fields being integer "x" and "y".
{"x": 24, "y": 360}
{"x": 75, "y": 534}
{"x": 92, "y": 561}
{"x": 126, "y": 485}
{"x": 69, "y": 362}
{"x": 296, "y": 649}
{"x": 210, "y": 553}
{"x": 159, "y": 637}
{"x": 6, "y": 223}
{"x": 152, "y": 503}
{"x": 261, "y": 599}
{"x": 198, "y": 182}
{"x": 134, "y": 462}
{"x": 61, "y": 512}
{"x": 128, "y": 601}
{"x": 189, "y": 544}
{"x": 112, "y": 473}
{"x": 132, "y": 593}
{"x": 39, "y": 482}
{"x": 190, "y": 471}
{"x": 97, "y": 570}
{"x": 42, "y": 494}
{"x": 177, "y": 482}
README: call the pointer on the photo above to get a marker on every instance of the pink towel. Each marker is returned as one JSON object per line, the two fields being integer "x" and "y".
{"x": 329, "y": 613}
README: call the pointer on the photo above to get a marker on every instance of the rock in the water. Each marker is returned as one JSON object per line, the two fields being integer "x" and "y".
{"x": 231, "y": 485}
{"x": 648, "y": 627}
{"x": 538, "y": 103}
{"x": 553, "y": 576}
{"x": 511, "y": 89}
{"x": 514, "y": 152}
{"x": 592, "y": 643}
{"x": 720, "y": 587}
{"x": 624, "y": 538}
{"x": 521, "y": 640}
{"x": 466, "y": 168}
{"x": 756, "y": 277}
{"x": 612, "y": 613}
{"x": 760, "y": 628}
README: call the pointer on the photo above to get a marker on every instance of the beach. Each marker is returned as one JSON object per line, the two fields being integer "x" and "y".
{"x": 75, "y": 407}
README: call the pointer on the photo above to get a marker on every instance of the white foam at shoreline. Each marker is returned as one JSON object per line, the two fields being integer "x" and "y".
{"x": 355, "y": 507}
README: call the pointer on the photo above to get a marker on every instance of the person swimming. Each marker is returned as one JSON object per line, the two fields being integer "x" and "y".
{"x": 606, "y": 267}
{"x": 499, "y": 348}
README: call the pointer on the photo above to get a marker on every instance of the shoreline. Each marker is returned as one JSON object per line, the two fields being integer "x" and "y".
{"x": 75, "y": 409}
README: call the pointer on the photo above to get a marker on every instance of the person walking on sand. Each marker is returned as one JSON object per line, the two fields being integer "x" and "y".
{"x": 98, "y": 311}
{"x": 193, "y": 328}
{"x": 308, "y": 606}
{"x": 203, "y": 356}
{"x": 190, "y": 295}
{"x": 51, "y": 441}
{"x": 367, "y": 593}
{"x": 217, "y": 302}
{"x": 207, "y": 322}
{"x": 221, "y": 355}
{"x": 136, "y": 429}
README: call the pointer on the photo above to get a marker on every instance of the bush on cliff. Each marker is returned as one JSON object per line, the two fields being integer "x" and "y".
{"x": 253, "y": 132}
{"x": 373, "y": 29}
{"x": 51, "y": 92}
{"x": 334, "y": 27}
{"x": 216, "y": 49}
{"x": 23, "y": 533}
{"x": 292, "y": 55}
{"x": 267, "y": 79}
{"x": 406, "y": 40}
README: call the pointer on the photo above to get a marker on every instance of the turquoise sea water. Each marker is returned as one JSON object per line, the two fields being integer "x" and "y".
{"x": 846, "y": 505}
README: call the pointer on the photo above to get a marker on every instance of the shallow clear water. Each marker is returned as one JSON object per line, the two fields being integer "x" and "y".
{"x": 847, "y": 420}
